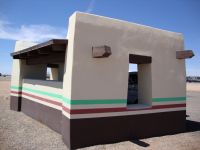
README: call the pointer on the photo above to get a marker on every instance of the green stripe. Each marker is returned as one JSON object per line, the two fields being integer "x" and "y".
{"x": 37, "y": 92}
{"x": 96, "y": 101}
{"x": 168, "y": 99}
{"x": 72, "y": 102}
{"x": 42, "y": 93}
{"x": 66, "y": 100}
{"x": 92, "y": 102}
{"x": 16, "y": 88}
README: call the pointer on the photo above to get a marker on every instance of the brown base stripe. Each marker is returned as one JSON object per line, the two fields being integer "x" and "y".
{"x": 78, "y": 133}
{"x": 93, "y": 131}
{"x": 47, "y": 115}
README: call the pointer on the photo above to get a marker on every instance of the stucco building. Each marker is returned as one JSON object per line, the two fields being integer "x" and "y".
{"x": 85, "y": 98}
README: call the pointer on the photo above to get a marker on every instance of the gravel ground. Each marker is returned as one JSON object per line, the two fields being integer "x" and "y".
{"x": 20, "y": 132}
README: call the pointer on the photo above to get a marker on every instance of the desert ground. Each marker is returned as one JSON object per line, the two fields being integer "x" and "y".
{"x": 20, "y": 132}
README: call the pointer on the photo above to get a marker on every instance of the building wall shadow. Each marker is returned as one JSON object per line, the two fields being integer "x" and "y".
{"x": 192, "y": 126}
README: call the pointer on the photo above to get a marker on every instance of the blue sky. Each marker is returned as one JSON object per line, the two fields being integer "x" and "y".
{"x": 40, "y": 20}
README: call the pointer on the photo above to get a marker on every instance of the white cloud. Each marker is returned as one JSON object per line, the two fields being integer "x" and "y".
{"x": 90, "y": 6}
{"x": 35, "y": 33}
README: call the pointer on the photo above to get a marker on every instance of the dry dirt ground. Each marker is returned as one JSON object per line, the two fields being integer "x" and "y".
{"x": 20, "y": 132}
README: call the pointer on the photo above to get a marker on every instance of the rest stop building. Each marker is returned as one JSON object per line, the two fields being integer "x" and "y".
{"x": 86, "y": 99}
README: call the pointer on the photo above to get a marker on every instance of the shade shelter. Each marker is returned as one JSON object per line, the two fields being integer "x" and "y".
{"x": 85, "y": 97}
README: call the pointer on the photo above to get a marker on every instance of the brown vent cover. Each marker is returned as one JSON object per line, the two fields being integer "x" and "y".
{"x": 184, "y": 54}
{"x": 101, "y": 51}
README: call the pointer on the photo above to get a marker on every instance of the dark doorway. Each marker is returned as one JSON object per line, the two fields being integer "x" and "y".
{"x": 132, "y": 96}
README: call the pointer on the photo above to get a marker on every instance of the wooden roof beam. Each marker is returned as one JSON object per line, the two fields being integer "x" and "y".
{"x": 58, "y": 48}
{"x": 55, "y": 45}
{"x": 23, "y": 56}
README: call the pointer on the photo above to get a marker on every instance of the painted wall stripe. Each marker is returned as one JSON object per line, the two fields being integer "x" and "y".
{"x": 15, "y": 92}
{"x": 105, "y": 110}
{"x": 113, "y": 110}
{"x": 16, "y": 88}
{"x": 74, "y": 102}
{"x": 42, "y": 99}
{"x": 38, "y": 98}
{"x": 96, "y": 101}
{"x": 168, "y": 102}
{"x": 42, "y": 102}
{"x": 124, "y": 113}
{"x": 38, "y": 92}
{"x": 42, "y": 93}
{"x": 91, "y": 102}
{"x": 101, "y": 110}
{"x": 168, "y": 99}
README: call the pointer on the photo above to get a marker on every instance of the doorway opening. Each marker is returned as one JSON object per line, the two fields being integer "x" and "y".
{"x": 139, "y": 81}
{"x": 52, "y": 72}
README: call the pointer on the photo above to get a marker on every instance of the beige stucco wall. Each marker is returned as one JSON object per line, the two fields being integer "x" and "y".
{"x": 69, "y": 60}
{"x": 54, "y": 73}
{"x": 16, "y": 65}
{"x": 39, "y": 87}
{"x": 145, "y": 84}
{"x": 61, "y": 71}
{"x": 20, "y": 70}
{"x": 107, "y": 78}
{"x": 57, "y": 73}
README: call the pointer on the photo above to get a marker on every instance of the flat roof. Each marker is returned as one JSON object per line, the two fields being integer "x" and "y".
{"x": 45, "y": 48}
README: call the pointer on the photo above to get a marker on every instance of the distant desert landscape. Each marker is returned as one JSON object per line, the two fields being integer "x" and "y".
{"x": 193, "y": 87}
{"x": 18, "y": 131}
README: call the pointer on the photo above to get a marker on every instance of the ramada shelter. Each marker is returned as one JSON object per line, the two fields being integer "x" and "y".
{"x": 85, "y": 98}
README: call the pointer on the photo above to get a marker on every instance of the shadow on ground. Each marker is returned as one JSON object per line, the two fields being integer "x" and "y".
{"x": 140, "y": 143}
{"x": 191, "y": 126}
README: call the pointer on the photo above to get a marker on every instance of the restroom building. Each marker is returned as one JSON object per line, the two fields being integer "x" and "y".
{"x": 81, "y": 86}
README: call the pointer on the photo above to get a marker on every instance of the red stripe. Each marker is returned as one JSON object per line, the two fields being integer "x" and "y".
{"x": 66, "y": 109}
{"x": 169, "y": 106}
{"x": 106, "y": 110}
{"x": 160, "y": 107}
{"x": 42, "y": 99}
{"x": 97, "y": 110}
{"x": 39, "y": 98}
{"x": 15, "y": 92}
